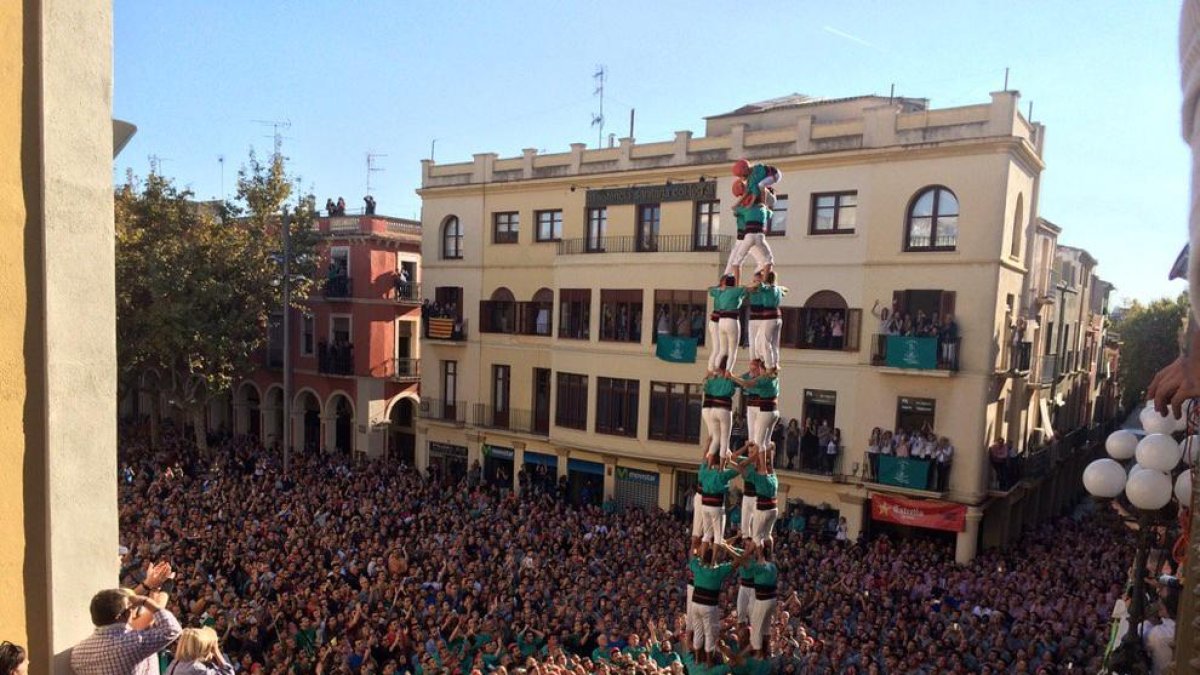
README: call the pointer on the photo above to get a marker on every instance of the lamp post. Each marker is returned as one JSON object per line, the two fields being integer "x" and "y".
{"x": 1148, "y": 488}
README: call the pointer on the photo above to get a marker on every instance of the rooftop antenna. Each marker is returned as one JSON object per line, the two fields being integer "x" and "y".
{"x": 1029, "y": 117}
{"x": 432, "y": 147}
{"x": 277, "y": 127}
{"x": 598, "y": 118}
{"x": 1006, "y": 78}
{"x": 221, "y": 161}
{"x": 371, "y": 168}
{"x": 156, "y": 164}
{"x": 892, "y": 94}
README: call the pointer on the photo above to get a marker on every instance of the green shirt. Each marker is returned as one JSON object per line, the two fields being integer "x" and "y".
{"x": 739, "y": 214}
{"x": 709, "y": 578}
{"x": 766, "y": 295}
{"x": 719, "y": 386}
{"x": 764, "y": 386}
{"x": 765, "y": 573}
{"x": 634, "y": 652}
{"x": 753, "y": 666}
{"x": 756, "y": 213}
{"x": 695, "y": 668}
{"x": 727, "y": 299}
{"x": 661, "y": 658}
{"x": 766, "y": 484}
{"x": 746, "y": 573}
{"x": 715, "y": 481}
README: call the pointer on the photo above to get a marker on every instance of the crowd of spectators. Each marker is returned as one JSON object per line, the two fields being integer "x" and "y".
{"x": 439, "y": 310}
{"x": 376, "y": 568}
{"x": 922, "y": 444}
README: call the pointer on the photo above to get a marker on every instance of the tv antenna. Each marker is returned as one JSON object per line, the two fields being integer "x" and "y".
{"x": 156, "y": 164}
{"x": 221, "y": 161}
{"x": 598, "y": 118}
{"x": 371, "y": 168}
{"x": 277, "y": 128}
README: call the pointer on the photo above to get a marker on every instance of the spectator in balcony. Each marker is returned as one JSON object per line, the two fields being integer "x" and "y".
{"x": 791, "y": 442}
{"x": 837, "y": 330}
{"x": 662, "y": 324}
{"x": 197, "y": 653}
{"x": 887, "y": 319}
{"x": 824, "y": 432}
{"x": 832, "y": 449}
{"x": 810, "y": 446}
{"x": 998, "y": 457}
{"x": 873, "y": 450}
{"x": 948, "y": 341}
{"x": 330, "y": 207}
{"x": 369, "y": 205}
{"x": 696, "y": 326}
{"x": 341, "y": 206}
{"x": 944, "y": 454}
{"x": 13, "y": 659}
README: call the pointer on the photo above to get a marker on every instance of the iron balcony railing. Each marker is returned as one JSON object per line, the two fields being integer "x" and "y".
{"x": 441, "y": 409}
{"x": 336, "y": 359}
{"x": 403, "y": 369}
{"x": 338, "y": 286}
{"x": 915, "y": 352}
{"x": 405, "y": 292}
{"x": 511, "y": 419}
{"x": 659, "y": 243}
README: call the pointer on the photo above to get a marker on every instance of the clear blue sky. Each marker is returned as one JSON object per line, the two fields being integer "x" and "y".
{"x": 390, "y": 76}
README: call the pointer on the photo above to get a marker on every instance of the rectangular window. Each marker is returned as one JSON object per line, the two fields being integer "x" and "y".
{"x": 570, "y": 408}
{"x": 597, "y": 229}
{"x": 616, "y": 406}
{"x": 821, "y": 406}
{"x": 574, "y": 313}
{"x": 500, "y": 382}
{"x": 308, "y": 335}
{"x": 680, "y": 313}
{"x": 820, "y": 328}
{"x": 834, "y": 213}
{"x": 777, "y": 223}
{"x": 505, "y": 227}
{"x": 708, "y": 221}
{"x": 340, "y": 330}
{"x": 449, "y": 381}
{"x": 915, "y": 414}
{"x": 648, "y": 221}
{"x": 621, "y": 315}
{"x": 675, "y": 412}
{"x": 549, "y": 225}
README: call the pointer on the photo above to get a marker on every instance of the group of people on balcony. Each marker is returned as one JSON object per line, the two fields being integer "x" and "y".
{"x": 336, "y": 357}
{"x": 683, "y": 323}
{"x": 921, "y": 444}
{"x": 335, "y": 208}
{"x": 944, "y": 328}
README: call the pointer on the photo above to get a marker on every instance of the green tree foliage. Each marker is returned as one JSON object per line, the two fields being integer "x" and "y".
{"x": 1149, "y": 341}
{"x": 198, "y": 282}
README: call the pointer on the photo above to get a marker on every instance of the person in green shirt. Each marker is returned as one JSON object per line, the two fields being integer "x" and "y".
{"x": 762, "y": 610}
{"x": 724, "y": 329}
{"x": 762, "y": 391}
{"x": 749, "y": 493}
{"x": 708, "y": 575}
{"x": 717, "y": 411}
{"x": 714, "y": 487}
{"x": 766, "y": 485}
{"x": 766, "y": 318}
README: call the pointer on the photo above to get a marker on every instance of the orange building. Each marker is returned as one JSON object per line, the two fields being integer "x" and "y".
{"x": 354, "y": 353}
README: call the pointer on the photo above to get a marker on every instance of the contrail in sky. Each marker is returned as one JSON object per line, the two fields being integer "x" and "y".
{"x": 852, "y": 38}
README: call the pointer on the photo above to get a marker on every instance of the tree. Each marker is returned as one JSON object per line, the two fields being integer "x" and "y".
{"x": 197, "y": 283}
{"x": 1149, "y": 341}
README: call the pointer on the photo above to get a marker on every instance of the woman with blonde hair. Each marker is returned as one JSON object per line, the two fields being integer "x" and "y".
{"x": 197, "y": 653}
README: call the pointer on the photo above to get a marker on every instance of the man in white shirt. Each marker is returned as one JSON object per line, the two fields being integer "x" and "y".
{"x": 1158, "y": 634}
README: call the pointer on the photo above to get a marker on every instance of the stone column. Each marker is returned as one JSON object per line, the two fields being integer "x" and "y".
{"x": 518, "y": 464}
{"x": 610, "y": 477}
{"x": 967, "y": 544}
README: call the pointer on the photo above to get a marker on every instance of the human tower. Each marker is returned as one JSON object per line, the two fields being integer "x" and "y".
{"x": 748, "y": 554}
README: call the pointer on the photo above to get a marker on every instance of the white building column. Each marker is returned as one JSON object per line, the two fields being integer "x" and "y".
{"x": 967, "y": 544}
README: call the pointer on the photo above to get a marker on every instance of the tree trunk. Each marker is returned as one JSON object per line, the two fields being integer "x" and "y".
{"x": 200, "y": 426}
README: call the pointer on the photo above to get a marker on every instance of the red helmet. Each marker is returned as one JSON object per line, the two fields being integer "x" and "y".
{"x": 739, "y": 187}
{"x": 741, "y": 168}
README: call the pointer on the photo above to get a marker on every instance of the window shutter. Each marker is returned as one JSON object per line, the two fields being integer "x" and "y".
{"x": 853, "y": 329}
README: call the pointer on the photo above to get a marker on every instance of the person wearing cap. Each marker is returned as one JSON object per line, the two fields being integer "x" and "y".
{"x": 724, "y": 328}
{"x": 717, "y": 411}
{"x": 766, "y": 318}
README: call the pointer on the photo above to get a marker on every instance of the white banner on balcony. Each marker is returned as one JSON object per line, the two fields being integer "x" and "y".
{"x": 1044, "y": 409}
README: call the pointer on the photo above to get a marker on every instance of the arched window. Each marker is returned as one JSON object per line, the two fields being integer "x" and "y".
{"x": 932, "y": 221}
{"x": 1018, "y": 227}
{"x": 452, "y": 238}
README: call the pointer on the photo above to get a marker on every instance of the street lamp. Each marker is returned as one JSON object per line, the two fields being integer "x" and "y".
{"x": 1148, "y": 488}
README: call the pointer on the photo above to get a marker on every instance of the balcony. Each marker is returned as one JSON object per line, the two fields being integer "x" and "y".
{"x": 403, "y": 370}
{"x": 338, "y": 286}
{"x": 1051, "y": 368}
{"x": 446, "y": 329}
{"x": 662, "y": 243}
{"x": 1017, "y": 357}
{"x": 406, "y": 292}
{"x": 443, "y": 410}
{"x": 515, "y": 318}
{"x": 336, "y": 359}
{"x": 520, "y": 421}
{"x": 915, "y": 353}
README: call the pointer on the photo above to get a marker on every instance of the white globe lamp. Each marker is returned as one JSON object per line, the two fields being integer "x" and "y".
{"x": 1104, "y": 478}
{"x": 1154, "y": 423}
{"x": 1149, "y": 490}
{"x": 1159, "y": 452}
{"x": 1121, "y": 444}
{"x": 1183, "y": 489}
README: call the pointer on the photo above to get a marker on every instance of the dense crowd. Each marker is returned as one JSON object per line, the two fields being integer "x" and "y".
{"x": 376, "y": 568}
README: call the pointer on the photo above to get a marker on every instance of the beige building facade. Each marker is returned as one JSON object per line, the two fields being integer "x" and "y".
{"x": 555, "y": 269}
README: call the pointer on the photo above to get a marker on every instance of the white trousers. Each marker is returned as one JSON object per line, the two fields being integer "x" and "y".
{"x": 764, "y": 523}
{"x": 712, "y": 523}
{"x": 753, "y": 244}
{"x": 761, "y": 612}
{"x": 744, "y": 600}
{"x": 706, "y": 627}
{"x": 764, "y": 340}
{"x": 719, "y": 423}
{"x": 761, "y": 423}
{"x": 687, "y": 609}
{"x": 697, "y": 519}
{"x": 723, "y": 337}
{"x": 747, "y": 525}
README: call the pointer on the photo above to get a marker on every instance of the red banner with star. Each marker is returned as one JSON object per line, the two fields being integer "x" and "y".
{"x": 919, "y": 513}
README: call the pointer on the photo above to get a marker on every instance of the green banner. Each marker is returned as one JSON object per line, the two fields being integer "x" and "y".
{"x": 904, "y": 472}
{"x": 676, "y": 349}
{"x": 911, "y": 352}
